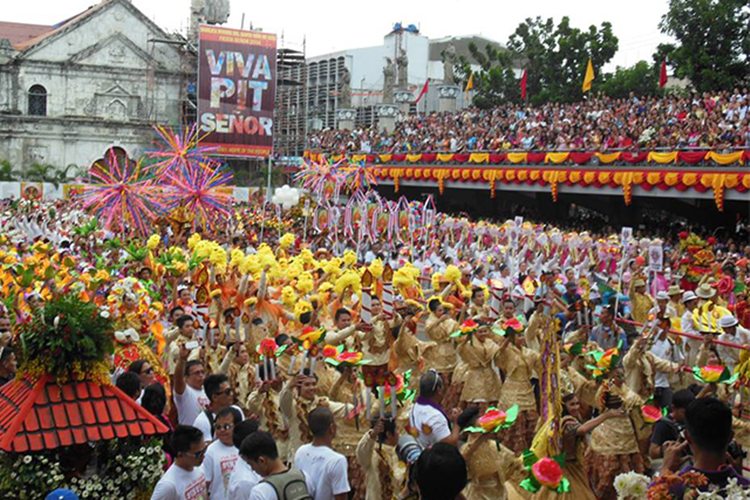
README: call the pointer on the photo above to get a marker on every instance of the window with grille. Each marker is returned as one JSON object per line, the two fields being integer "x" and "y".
{"x": 37, "y": 101}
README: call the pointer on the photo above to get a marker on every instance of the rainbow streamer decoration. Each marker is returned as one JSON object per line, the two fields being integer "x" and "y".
{"x": 314, "y": 177}
{"x": 125, "y": 196}
{"x": 359, "y": 177}
{"x": 203, "y": 189}
{"x": 179, "y": 149}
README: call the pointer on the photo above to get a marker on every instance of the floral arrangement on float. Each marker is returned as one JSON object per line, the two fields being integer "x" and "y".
{"x": 68, "y": 426}
{"x": 689, "y": 486}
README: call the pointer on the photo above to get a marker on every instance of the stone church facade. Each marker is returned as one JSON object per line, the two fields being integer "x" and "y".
{"x": 99, "y": 80}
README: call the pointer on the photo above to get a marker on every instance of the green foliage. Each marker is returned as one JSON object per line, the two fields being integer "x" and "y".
{"x": 7, "y": 174}
{"x": 641, "y": 79}
{"x": 38, "y": 172}
{"x": 713, "y": 42}
{"x": 67, "y": 332}
{"x": 556, "y": 57}
{"x": 495, "y": 83}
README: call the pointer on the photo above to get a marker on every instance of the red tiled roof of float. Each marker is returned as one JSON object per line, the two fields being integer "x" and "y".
{"x": 18, "y": 33}
{"x": 44, "y": 415}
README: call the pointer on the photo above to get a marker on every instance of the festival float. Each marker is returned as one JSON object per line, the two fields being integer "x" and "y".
{"x": 63, "y": 424}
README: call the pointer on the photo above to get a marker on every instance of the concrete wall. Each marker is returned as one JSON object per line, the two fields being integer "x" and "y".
{"x": 106, "y": 84}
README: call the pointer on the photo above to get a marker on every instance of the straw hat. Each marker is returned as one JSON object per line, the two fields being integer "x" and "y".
{"x": 674, "y": 290}
{"x": 688, "y": 296}
{"x": 705, "y": 291}
{"x": 639, "y": 282}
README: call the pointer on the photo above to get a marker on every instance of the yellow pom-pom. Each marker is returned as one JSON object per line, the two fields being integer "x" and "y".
{"x": 193, "y": 240}
{"x": 153, "y": 241}
{"x": 452, "y": 274}
{"x": 350, "y": 258}
{"x": 287, "y": 240}
{"x": 376, "y": 268}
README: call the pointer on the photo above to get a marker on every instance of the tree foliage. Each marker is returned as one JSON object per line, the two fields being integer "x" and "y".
{"x": 713, "y": 41}
{"x": 642, "y": 79}
{"x": 495, "y": 83}
{"x": 556, "y": 56}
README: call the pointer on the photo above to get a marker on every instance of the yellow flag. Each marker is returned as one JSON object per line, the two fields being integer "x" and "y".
{"x": 589, "y": 77}
{"x": 470, "y": 83}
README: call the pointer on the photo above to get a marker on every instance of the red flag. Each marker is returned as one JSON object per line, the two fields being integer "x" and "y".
{"x": 423, "y": 92}
{"x": 523, "y": 86}
{"x": 663, "y": 75}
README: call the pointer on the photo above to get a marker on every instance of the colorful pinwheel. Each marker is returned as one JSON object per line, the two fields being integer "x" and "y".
{"x": 320, "y": 177}
{"x": 178, "y": 149}
{"x": 359, "y": 177}
{"x": 123, "y": 195}
{"x": 202, "y": 189}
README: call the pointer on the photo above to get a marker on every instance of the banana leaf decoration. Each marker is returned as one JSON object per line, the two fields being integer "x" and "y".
{"x": 86, "y": 229}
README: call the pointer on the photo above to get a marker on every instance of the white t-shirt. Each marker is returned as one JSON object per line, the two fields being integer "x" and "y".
{"x": 189, "y": 404}
{"x": 432, "y": 425}
{"x": 326, "y": 468}
{"x": 243, "y": 481}
{"x": 201, "y": 422}
{"x": 264, "y": 491}
{"x": 179, "y": 484}
{"x": 218, "y": 466}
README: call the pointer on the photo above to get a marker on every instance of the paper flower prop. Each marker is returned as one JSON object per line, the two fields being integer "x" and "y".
{"x": 605, "y": 361}
{"x": 573, "y": 349}
{"x": 359, "y": 177}
{"x": 268, "y": 347}
{"x": 544, "y": 472}
{"x": 494, "y": 420}
{"x": 344, "y": 358}
{"x": 403, "y": 392}
{"x": 330, "y": 351}
{"x": 312, "y": 335}
{"x": 510, "y": 326}
{"x": 651, "y": 414}
{"x": 467, "y": 328}
{"x": 714, "y": 374}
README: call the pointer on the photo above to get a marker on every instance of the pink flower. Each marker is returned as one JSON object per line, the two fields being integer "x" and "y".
{"x": 548, "y": 472}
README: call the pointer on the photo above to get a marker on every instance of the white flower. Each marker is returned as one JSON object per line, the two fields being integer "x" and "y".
{"x": 27, "y": 459}
{"x": 104, "y": 314}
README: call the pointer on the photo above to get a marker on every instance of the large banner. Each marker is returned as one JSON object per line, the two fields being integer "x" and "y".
{"x": 236, "y": 90}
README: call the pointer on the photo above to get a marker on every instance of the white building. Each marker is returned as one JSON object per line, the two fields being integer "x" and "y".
{"x": 70, "y": 92}
{"x": 365, "y": 66}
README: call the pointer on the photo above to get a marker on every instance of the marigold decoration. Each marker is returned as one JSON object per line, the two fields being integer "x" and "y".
{"x": 714, "y": 374}
{"x": 495, "y": 420}
{"x": 544, "y": 472}
{"x": 651, "y": 414}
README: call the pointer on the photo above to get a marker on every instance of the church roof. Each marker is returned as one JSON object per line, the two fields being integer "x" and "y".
{"x": 19, "y": 33}
{"x": 43, "y": 415}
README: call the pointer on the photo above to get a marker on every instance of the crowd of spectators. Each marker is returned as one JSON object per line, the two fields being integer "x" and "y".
{"x": 718, "y": 121}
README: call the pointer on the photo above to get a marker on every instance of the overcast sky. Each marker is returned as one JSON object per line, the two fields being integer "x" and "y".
{"x": 330, "y": 25}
